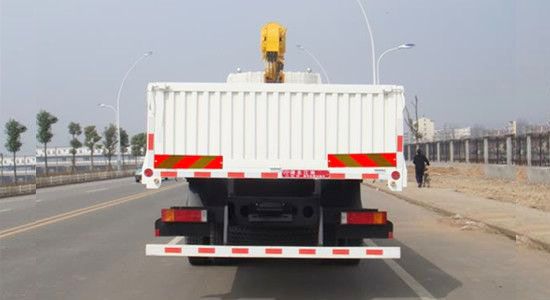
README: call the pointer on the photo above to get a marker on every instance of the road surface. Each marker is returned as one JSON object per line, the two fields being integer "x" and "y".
{"x": 87, "y": 241}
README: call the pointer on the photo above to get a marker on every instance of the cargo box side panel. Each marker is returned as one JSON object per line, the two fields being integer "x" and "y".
{"x": 260, "y": 128}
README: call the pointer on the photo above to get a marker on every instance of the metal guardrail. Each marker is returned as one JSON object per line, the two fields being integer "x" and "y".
{"x": 79, "y": 178}
{"x": 16, "y": 190}
{"x": 530, "y": 150}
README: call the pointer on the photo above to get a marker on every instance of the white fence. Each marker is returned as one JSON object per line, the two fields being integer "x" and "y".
{"x": 15, "y": 190}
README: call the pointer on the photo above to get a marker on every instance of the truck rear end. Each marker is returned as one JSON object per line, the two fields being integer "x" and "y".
{"x": 274, "y": 170}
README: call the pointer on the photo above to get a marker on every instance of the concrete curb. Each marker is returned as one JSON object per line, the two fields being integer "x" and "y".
{"x": 514, "y": 235}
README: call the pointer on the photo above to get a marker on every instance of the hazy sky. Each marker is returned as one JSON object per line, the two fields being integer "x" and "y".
{"x": 476, "y": 61}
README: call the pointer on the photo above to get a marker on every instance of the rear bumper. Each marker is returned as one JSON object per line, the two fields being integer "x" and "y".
{"x": 273, "y": 252}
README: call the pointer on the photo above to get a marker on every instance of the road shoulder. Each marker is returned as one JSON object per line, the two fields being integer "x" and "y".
{"x": 523, "y": 224}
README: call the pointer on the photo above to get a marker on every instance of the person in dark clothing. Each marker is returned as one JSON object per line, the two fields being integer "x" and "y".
{"x": 420, "y": 162}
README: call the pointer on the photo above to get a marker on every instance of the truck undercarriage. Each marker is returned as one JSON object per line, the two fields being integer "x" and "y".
{"x": 252, "y": 212}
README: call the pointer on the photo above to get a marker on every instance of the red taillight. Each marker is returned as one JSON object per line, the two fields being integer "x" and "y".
{"x": 364, "y": 217}
{"x": 184, "y": 215}
{"x": 395, "y": 175}
{"x": 148, "y": 172}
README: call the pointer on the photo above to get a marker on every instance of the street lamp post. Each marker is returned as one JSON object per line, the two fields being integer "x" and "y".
{"x": 400, "y": 47}
{"x": 117, "y": 110}
{"x": 103, "y": 105}
{"x": 1, "y": 168}
{"x": 373, "y": 51}
{"x": 316, "y": 61}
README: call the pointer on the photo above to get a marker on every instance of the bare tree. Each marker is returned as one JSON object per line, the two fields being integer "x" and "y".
{"x": 412, "y": 124}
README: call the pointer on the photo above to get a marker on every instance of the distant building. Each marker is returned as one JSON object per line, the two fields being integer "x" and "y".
{"x": 426, "y": 129}
{"x": 462, "y": 133}
{"x": 512, "y": 128}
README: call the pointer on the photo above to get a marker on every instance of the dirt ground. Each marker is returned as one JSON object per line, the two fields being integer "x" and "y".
{"x": 470, "y": 179}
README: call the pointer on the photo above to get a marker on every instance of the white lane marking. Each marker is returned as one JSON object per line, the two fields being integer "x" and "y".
{"x": 5, "y": 210}
{"x": 406, "y": 277}
{"x": 38, "y": 200}
{"x": 175, "y": 240}
{"x": 96, "y": 190}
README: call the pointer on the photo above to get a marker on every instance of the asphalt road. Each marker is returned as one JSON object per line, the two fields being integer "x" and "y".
{"x": 87, "y": 241}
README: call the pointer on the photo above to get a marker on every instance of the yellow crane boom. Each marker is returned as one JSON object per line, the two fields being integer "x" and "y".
{"x": 273, "y": 39}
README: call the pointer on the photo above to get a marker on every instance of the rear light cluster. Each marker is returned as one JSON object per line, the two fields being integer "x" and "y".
{"x": 184, "y": 215}
{"x": 364, "y": 217}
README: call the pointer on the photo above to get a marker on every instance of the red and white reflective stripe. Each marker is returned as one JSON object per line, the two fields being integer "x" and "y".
{"x": 273, "y": 251}
{"x": 399, "y": 143}
{"x": 371, "y": 175}
{"x": 169, "y": 174}
{"x": 150, "y": 141}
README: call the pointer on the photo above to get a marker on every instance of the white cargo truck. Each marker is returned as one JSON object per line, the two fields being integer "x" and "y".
{"x": 276, "y": 168}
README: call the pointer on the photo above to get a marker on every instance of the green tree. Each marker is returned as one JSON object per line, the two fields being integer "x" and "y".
{"x": 110, "y": 142}
{"x": 91, "y": 138}
{"x": 138, "y": 142}
{"x": 44, "y": 121}
{"x": 124, "y": 143}
{"x": 74, "y": 130}
{"x": 13, "y": 143}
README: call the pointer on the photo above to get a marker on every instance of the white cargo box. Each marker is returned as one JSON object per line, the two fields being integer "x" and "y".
{"x": 274, "y": 131}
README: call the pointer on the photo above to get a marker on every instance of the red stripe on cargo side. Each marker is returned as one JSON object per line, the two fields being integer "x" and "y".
{"x": 209, "y": 250}
{"x": 239, "y": 250}
{"x": 186, "y": 161}
{"x": 391, "y": 158}
{"x": 235, "y": 174}
{"x": 334, "y": 162}
{"x": 150, "y": 141}
{"x": 270, "y": 175}
{"x": 337, "y": 176}
{"x": 169, "y": 174}
{"x": 363, "y": 160}
{"x": 399, "y": 143}
{"x": 340, "y": 251}
{"x": 273, "y": 251}
{"x": 375, "y": 252}
{"x": 370, "y": 176}
{"x": 172, "y": 250}
{"x": 307, "y": 251}
{"x": 159, "y": 158}
{"x": 216, "y": 163}
{"x": 203, "y": 174}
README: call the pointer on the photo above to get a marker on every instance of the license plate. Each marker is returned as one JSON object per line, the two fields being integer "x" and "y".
{"x": 305, "y": 174}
